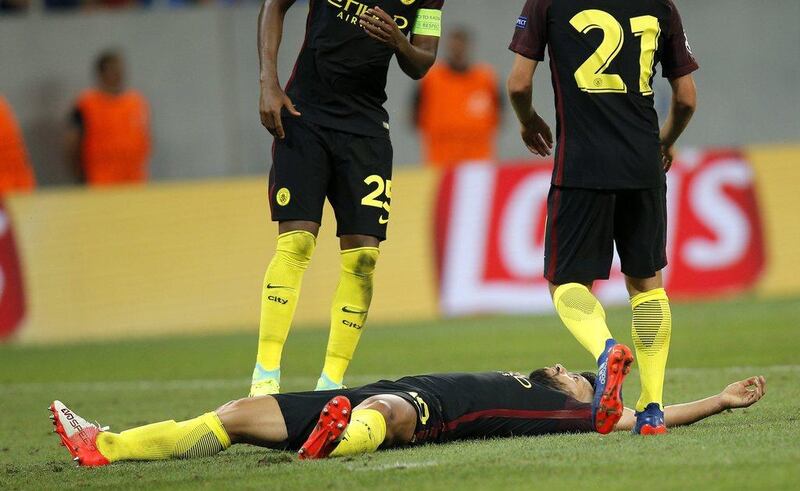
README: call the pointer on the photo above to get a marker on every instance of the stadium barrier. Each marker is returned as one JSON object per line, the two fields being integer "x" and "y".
{"x": 189, "y": 257}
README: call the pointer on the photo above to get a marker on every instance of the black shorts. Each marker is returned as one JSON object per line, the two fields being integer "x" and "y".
{"x": 301, "y": 410}
{"x": 353, "y": 171}
{"x": 583, "y": 225}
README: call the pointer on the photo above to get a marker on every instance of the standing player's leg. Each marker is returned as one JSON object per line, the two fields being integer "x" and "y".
{"x": 641, "y": 240}
{"x": 298, "y": 183}
{"x": 350, "y": 306}
{"x": 579, "y": 250}
{"x": 360, "y": 193}
{"x": 651, "y": 330}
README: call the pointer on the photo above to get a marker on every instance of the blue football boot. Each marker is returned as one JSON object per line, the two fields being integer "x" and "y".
{"x": 613, "y": 366}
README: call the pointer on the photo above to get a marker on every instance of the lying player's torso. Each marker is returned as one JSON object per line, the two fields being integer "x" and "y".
{"x": 478, "y": 405}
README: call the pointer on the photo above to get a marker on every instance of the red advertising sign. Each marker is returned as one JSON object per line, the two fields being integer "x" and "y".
{"x": 490, "y": 245}
{"x": 12, "y": 298}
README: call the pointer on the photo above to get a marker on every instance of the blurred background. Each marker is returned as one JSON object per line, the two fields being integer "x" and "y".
{"x": 133, "y": 169}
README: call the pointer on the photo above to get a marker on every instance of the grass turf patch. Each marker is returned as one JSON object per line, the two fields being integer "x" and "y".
{"x": 130, "y": 383}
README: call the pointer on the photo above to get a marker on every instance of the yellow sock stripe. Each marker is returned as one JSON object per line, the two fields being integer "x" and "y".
{"x": 652, "y": 320}
{"x": 205, "y": 437}
{"x": 657, "y": 294}
{"x": 213, "y": 422}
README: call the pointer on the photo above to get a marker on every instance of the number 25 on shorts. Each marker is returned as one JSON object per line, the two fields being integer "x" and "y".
{"x": 382, "y": 188}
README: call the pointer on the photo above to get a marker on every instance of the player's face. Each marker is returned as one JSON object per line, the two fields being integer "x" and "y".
{"x": 574, "y": 383}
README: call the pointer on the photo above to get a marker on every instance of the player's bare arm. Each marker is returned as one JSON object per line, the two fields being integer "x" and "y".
{"x": 684, "y": 103}
{"x": 272, "y": 99}
{"x": 534, "y": 130}
{"x": 741, "y": 394}
{"x": 415, "y": 56}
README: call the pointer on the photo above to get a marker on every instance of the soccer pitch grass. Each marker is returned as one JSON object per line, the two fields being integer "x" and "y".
{"x": 131, "y": 383}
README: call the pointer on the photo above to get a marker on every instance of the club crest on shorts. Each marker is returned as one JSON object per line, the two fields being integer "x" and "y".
{"x": 283, "y": 196}
{"x": 408, "y": 2}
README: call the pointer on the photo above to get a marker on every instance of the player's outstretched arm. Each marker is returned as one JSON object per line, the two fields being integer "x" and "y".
{"x": 272, "y": 99}
{"x": 684, "y": 103}
{"x": 415, "y": 56}
{"x": 534, "y": 131}
{"x": 743, "y": 393}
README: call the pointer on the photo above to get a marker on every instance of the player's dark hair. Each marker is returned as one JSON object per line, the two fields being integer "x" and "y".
{"x": 543, "y": 378}
{"x": 591, "y": 377}
{"x": 105, "y": 58}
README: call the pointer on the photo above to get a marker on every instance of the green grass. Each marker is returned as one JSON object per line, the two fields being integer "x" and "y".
{"x": 130, "y": 383}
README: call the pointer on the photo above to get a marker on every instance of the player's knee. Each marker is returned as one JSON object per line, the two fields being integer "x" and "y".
{"x": 380, "y": 404}
{"x": 637, "y": 286}
{"x": 233, "y": 416}
{"x": 398, "y": 414}
{"x": 347, "y": 242}
{"x": 360, "y": 262}
{"x": 297, "y": 245}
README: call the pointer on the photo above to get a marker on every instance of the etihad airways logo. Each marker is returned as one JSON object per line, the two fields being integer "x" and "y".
{"x": 351, "y": 10}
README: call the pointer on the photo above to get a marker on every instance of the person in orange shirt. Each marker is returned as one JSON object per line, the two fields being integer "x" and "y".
{"x": 15, "y": 168}
{"x": 109, "y": 137}
{"x": 458, "y": 107}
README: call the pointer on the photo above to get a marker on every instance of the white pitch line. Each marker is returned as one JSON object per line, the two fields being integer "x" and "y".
{"x": 147, "y": 385}
{"x": 243, "y": 383}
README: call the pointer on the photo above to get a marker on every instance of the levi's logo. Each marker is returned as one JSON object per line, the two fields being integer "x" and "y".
{"x": 522, "y": 22}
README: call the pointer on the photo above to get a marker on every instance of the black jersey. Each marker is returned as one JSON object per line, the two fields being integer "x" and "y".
{"x": 494, "y": 404}
{"x": 453, "y": 406}
{"x": 603, "y": 57}
{"x": 339, "y": 80}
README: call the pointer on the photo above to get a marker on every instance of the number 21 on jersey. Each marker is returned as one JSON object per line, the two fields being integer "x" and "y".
{"x": 591, "y": 76}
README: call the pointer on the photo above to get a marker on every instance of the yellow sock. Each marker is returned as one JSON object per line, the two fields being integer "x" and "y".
{"x": 280, "y": 293}
{"x": 651, "y": 331}
{"x": 364, "y": 434}
{"x": 203, "y": 436}
{"x": 348, "y": 312}
{"x": 583, "y": 315}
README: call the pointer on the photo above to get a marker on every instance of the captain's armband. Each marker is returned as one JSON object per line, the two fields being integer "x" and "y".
{"x": 428, "y": 23}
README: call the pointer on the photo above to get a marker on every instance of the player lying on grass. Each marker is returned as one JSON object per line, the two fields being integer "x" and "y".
{"x": 411, "y": 410}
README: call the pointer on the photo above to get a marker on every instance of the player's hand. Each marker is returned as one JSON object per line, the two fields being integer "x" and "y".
{"x": 667, "y": 156}
{"x": 744, "y": 393}
{"x": 270, "y": 104}
{"x": 537, "y": 136}
{"x": 381, "y": 26}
